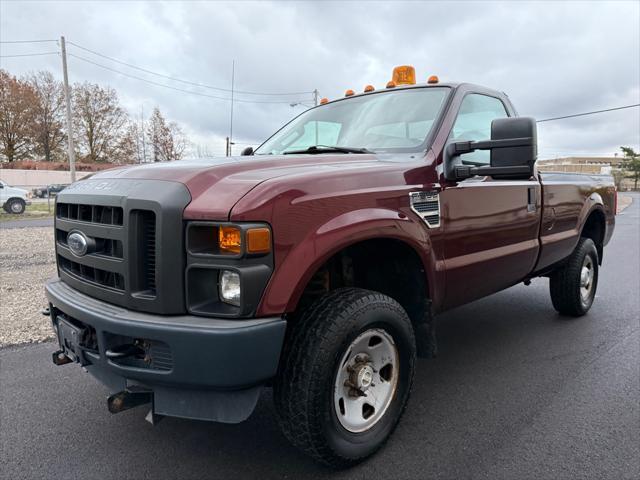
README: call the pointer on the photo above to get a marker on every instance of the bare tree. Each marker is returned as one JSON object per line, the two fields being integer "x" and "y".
{"x": 126, "y": 150}
{"x": 48, "y": 119}
{"x": 101, "y": 124}
{"x": 166, "y": 140}
{"x": 17, "y": 100}
{"x": 179, "y": 142}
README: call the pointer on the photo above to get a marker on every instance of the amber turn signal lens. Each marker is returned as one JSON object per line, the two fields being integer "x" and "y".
{"x": 391, "y": 84}
{"x": 433, "y": 79}
{"x": 323, "y": 101}
{"x": 229, "y": 240}
{"x": 404, "y": 75}
{"x": 349, "y": 92}
{"x": 258, "y": 240}
{"x": 369, "y": 88}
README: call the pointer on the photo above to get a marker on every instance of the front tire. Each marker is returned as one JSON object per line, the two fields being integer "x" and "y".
{"x": 573, "y": 287}
{"x": 16, "y": 206}
{"x": 345, "y": 376}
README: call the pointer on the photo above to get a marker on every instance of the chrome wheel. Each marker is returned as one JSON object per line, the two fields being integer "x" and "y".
{"x": 366, "y": 381}
{"x": 16, "y": 207}
{"x": 587, "y": 274}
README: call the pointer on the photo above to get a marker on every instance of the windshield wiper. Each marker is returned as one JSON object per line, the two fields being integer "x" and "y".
{"x": 314, "y": 149}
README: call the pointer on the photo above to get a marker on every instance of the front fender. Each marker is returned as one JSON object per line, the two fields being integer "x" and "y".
{"x": 290, "y": 279}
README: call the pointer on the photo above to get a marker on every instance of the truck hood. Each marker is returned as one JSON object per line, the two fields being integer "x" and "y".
{"x": 217, "y": 184}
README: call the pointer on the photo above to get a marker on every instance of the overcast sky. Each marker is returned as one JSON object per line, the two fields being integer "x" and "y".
{"x": 551, "y": 58}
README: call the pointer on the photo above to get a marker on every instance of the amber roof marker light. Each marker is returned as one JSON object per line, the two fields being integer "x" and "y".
{"x": 324, "y": 100}
{"x": 391, "y": 84}
{"x": 404, "y": 75}
{"x": 369, "y": 88}
{"x": 433, "y": 79}
{"x": 349, "y": 93}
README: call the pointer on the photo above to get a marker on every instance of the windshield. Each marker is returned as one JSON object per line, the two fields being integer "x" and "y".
{"x": 390, "y": 121}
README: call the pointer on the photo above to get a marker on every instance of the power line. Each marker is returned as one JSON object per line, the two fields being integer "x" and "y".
{"x": 27, "y": 41}
{"x": 589, "y": 113}
{"x": 171, "y": 87}
{"x": 29, "y": 54}
{"x": 195, "y": 84}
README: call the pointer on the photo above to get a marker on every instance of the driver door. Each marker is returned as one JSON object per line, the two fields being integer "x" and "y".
{"x": 490, "y": 225}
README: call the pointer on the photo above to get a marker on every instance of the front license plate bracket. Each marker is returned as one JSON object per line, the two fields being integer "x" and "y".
{"x": 69, "y": 337}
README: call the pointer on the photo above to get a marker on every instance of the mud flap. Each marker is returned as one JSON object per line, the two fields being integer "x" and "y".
{"x": 425, "y": 331}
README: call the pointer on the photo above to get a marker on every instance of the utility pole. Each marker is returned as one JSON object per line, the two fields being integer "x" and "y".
{"x": 67, "y": 96}
{"x": 230, "y": 138}
{"x": 227, "y": 148}
{"x": 144, "y": 145}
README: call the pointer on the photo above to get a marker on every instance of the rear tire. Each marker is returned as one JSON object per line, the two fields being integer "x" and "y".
{"x": 348, "y": 338}
{"x": 573, "y": 286}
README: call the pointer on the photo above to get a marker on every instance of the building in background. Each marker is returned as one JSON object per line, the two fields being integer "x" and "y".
{"x": 589, "y": 165}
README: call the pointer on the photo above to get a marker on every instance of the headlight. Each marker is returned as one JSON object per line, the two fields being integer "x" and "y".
{"x": 228, "y": 267}
{"x": 209, "y": 238}
{"x": 229, "y": 240}
{"x": 230, "y": 287}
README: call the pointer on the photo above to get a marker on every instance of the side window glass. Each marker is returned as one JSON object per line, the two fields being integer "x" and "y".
{"x": 474, "y": 123}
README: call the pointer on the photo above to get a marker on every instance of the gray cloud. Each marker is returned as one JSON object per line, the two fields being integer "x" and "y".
{"x": 551, "y": 58}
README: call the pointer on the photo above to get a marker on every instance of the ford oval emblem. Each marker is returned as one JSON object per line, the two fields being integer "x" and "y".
{"x": 78, "y": 243}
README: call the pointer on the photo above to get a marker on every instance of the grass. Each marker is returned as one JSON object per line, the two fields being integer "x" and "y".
{"x": 35, "y": 210}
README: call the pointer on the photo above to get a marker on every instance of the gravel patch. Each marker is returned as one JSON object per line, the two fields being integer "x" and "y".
{"x": 27, "y": 260}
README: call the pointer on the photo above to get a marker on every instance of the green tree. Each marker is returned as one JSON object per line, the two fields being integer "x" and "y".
{"x": 631, "y": 165}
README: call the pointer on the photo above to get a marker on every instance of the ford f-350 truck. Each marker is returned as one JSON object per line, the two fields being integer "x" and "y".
{"x": 317, "y": 264}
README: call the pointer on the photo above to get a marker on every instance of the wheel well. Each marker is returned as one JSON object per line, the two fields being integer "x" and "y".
{"x": 594, "y": 229}
{"x": 384, "y": 265}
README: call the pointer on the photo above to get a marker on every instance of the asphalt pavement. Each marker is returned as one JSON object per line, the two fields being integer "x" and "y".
{"x": 517, "y": 392}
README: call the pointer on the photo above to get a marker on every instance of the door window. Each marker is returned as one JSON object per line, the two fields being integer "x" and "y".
{"x": 474, "y": 123}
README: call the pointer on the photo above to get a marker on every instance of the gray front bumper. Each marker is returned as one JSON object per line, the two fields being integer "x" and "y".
{"x": 216, "y": 366}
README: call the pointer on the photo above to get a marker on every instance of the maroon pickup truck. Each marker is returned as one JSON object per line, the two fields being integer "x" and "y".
{"x": 317, "y": 263}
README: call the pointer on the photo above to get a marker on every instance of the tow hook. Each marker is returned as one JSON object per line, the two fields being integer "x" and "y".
{"x": 121, "y": 401}
{"x": 46, "y": 312}
{"x": 127, "y": 399}
{"x": 59, "y": 358}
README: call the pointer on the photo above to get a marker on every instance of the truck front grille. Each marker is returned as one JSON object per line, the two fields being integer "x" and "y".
{"x": 135, "y": 235}
{"x": 108, "y": 266}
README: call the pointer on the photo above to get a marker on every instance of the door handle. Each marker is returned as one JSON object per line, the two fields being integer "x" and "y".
{"x": 531, "y": 199}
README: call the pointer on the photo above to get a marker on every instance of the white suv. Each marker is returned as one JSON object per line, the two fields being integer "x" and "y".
{"x": 12, "y": 199}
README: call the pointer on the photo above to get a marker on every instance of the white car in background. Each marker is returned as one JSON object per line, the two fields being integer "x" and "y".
{"x": 12, "y": 199}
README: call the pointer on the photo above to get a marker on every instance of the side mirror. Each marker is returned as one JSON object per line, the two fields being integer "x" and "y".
{"x": 247, "y": 151}
{"x": 513, "y": 147}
